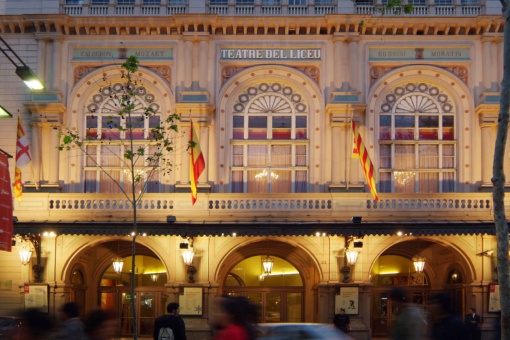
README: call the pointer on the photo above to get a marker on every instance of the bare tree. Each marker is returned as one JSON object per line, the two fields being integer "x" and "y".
{"x": 142, "y": 159}
{"x": 498, "y": 180}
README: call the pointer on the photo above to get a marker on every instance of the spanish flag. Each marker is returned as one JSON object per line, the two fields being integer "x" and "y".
{"x": 197, "y": 162}
{"x": 23, "y": 158}
{"x": 359, "y": 151}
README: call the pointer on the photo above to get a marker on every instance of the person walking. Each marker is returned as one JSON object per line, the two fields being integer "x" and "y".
{"x": 171, "y": 320}
{"x": 71, "y": 327}
{"x": 235, "y": 319}
{"x": 473, "y": 321}
{"x": 410, "y": 322}
{"x": 342, "y": 322}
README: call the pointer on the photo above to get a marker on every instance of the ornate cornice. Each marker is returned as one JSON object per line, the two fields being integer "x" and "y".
{"x": 213, "y": 24}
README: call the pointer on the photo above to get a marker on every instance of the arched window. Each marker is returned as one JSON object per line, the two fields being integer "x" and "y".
{"x": 106, "y": 143}
{"x": 417, "y": 140}
{"x": 269, "y": 141}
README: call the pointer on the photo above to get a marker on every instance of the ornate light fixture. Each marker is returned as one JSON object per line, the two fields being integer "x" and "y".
{"x": 352, "y": 257}
{"x": 419, "y": 263}
{"x": 187, "y": 257}
{"x": 118, "y": 262}
{"x": 267, "y": 264}
{"x": 154, "y": 277}
{"x": 25, "y": 252}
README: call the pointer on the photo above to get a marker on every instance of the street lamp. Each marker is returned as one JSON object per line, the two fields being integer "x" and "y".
{"x": 4, "y": 113}
{"x": 22, "y": 70}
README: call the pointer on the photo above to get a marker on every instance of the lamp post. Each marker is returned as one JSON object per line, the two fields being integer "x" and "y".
{"x": 22, "y": 70}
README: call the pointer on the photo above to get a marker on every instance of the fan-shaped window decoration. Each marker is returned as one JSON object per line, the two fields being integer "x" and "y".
{"x": 417, "y": 140}
{"x": 107, "y": 134}
{"x": 269, "y": 140}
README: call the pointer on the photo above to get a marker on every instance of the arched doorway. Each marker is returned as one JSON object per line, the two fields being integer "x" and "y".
{"x": 114, "y": 292}
{"x": 296, "y": 288}
{"x": 279, "y": 291}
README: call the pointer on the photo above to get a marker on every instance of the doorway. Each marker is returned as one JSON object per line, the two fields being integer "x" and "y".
{"x": 278, "y": 291}
{"x": 151, "y": 300}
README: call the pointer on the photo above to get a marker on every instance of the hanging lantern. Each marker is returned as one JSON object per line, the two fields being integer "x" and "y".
{"x": 118, "y": 263}
{"x": 267, "y": 264}
{"x": 352, "y": 257}
{"x": 154, "y": 277}
{"x": 419, "y": 263}
{"x": 187, "y": 256}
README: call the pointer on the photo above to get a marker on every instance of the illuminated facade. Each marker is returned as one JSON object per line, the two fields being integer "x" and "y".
{"x": 272, "y": 88}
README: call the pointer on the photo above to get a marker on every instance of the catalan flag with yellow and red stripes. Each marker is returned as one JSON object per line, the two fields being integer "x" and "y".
{"x": 359, "y": 151}
{"x": 197, "y": 163}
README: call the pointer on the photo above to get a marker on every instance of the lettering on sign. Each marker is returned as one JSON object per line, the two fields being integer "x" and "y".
{"x": 419, "y": 53}
{"x": 123, "y": 53}
{"x": 267, "y": 53}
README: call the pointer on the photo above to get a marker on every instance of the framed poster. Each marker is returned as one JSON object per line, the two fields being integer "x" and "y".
{"x": 37, "y": 296}
{"x": 190, "y": 301}
{"x": 494, "y": 305}
{"x": 348, "y": 300}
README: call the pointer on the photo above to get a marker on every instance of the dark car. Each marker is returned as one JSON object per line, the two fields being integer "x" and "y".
{"x": 9, "y": 327}
{"x": 300, "y": 331}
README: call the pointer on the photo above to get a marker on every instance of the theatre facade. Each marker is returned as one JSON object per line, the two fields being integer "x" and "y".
{"x": 282, "y": 206}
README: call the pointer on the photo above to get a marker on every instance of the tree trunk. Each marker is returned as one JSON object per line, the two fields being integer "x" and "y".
{"x": 498, "y": 181}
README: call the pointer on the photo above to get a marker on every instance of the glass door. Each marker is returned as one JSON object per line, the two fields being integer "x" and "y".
{"x": 275, "y": 305}
{"x": 151, "y": 304}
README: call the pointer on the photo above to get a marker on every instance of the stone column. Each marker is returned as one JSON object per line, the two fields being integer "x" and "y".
{"x": 339, "y": 64}
{"x": 36, "y": 151}
{"x": 57, "y": 46}
{"x": 188, "y": 62}
{"x": 204, "y": 57}
{"x": 488, "y": 124}
{"x": 337, "y": 154}
{"x": 354, "y": 57}
{"x": 185, "y": 155}
{"x": 41, "y": 58}
{"x": 486, "y": 63}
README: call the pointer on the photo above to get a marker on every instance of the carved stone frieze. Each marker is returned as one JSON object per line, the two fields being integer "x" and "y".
{"x": 312, "y": 72}
{"x": 461, "y": 72}
{"x": 163, "y": 71}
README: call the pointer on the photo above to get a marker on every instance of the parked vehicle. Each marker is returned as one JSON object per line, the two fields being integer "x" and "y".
{"x": 9, "y": 327}
{"x": 302, "y": 331}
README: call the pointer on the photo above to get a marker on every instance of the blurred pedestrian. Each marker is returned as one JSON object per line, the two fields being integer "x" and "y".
{"x": 99, "y": 324}
{"x": 235, "y": 319}
{"x": 445, "y": 324}
{"x": 170, "y": 322}
{"x": 71, "y": 327}
{"x": 473, "y": 321}
{"x": 342, "y": 321}
{"x": 35, "y": 325}
{"x": 410, "y": 322}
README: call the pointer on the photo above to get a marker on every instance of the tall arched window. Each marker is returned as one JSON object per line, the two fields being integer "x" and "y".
{"x": 105, "y": 145}
{"x": 269, "y": 141}
{"x": 417, "y": 140}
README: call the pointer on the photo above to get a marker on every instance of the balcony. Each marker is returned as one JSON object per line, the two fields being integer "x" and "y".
{"x": 362, "y": 8}
{"x": 325, "y": 207}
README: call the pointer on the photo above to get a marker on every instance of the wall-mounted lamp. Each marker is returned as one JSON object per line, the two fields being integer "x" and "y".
{"x": 22, "y": 70}
{"x": 187, "y": 256}
{"x": 26, "y": 246}
{"x": 4, "y": 113}
{"x": 267, "y": 265}
{"x": 352, "y": 256}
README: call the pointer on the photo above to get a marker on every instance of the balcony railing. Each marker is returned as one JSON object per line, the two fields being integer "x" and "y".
{"x": 326, "y": 207}
{"x": 265, "y": 9}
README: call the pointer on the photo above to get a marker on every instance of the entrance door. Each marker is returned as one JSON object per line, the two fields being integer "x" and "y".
{"x": 275, "y": 305}
{"x": 150, "y": 304}
{"x": 384, "y": 312}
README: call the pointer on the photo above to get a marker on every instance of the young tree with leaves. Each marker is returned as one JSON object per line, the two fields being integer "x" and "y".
{"x": 142, "y": 159}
